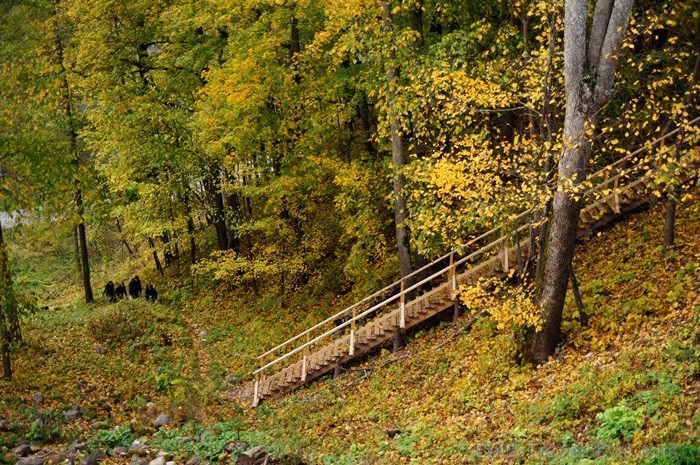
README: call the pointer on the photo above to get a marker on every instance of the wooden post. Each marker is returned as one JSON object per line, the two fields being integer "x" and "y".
{"x": 452, "y": 276}
{"x": 352, "y": 333}
{"x": 305, "y": 360}
{"x": 505, "y": 252}
{"x": 402, "y": 313}
{"x": 256, "y": 393}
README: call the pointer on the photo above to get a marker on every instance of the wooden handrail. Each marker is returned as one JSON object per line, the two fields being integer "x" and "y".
{"x": 453, "y": 265}
{"x": 347, "y": 310}
{"x": 389, "y": 300}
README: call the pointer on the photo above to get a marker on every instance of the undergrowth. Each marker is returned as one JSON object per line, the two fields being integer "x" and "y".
{"x": 624, "y": 389}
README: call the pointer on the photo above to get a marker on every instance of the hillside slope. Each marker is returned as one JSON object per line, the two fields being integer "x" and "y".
{"x": 621, "y": 390}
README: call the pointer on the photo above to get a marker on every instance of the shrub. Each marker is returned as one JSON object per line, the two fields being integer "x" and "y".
{"x": 675, "y": 454}
{"x": 619, "y": 422}
{"x": 121, "y": 324}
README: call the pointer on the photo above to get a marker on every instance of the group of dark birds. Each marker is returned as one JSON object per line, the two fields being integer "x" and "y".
{"x": 118, "y": 292}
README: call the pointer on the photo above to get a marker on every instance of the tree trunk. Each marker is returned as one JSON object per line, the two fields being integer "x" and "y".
{"x": 159, "y": 267}
{"x": 8, "y": 312}
{"x": 589, "y": 74}
{"x": 6, "y": 361}
{"x": 73, "y": 139}
{"x": 213, "y": 186}
{"x": 82, "y": 239}
{"x": 582, "y": 315}
{"x": 670, "y": 221}
{"x": 126, "y": 244}
{"x": 398, "y": 163}
{"x": 76, "y": 243}
{"x": 674, "y": 194}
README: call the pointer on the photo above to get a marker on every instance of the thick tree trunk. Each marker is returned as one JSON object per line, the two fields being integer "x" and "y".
{"x": 398, "y": 162}
{"x": 589, "y": 74}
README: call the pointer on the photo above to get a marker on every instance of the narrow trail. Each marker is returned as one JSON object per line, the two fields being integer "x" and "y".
{"x": 201, "y": 355}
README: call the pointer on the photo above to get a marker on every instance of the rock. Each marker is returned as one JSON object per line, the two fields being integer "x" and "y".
{"x": 171, "y": 463}
{"x": 235, "y": 445}
{"x": 184, "y": 439}
{"x": 5, "y": 426}
{"x": 195, "y": 461}
{"x": 31, "y": 460}
{"x": 93, "y": 458}
{"x": 38, "y": 398}
{"x": 588, "y": 356}
{"x": 71, "y": 456}
{"x": 202, "y": 334}
{"x": 194, "y": 326}
{"x": 73, "y": 414}
{"x": 120, "y": 451}
{"x": 150, "y": 405}
{"x": 137, "y": 461}
{"x": 157, "y": 461}
{"x": 138, "y": 447}
{"x": 100, "y": 350}
{"x": 231, "y": 381}
{"x": 166, "y": 455}
{"x": 77, "y": 446}
{"x": 162, "y": 420}
{"x": 22, "y": 450}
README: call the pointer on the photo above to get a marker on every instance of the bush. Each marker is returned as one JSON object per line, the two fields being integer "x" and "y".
{"x": 121, "y": 324}
{"x": 619, "y": 422}
{"x": 675, "y": 454}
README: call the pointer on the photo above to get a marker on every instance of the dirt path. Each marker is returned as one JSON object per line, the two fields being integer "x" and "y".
{"x": 201, "y": 355}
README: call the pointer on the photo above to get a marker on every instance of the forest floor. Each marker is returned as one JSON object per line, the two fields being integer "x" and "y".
{"x": 625, "y": 389}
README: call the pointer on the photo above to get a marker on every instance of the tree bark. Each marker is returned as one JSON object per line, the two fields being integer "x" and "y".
{"x": 670, "y": 220}
{"x": 126, "y": 244}
{"x": 8, "y": 312}
{"x": 673, "y": 195}
{"x": 582, "y": 315}
{"x": 82, "y": 239}
{"x": 159, "y": 266}
{"x": 398, "y": 162}
{"x": 76, "y": 243}
{"x": 6, "y": 360}
{"x": 213, "y": 186}
{"x": 589, "y": 85}
{"x": 73, "y": 139}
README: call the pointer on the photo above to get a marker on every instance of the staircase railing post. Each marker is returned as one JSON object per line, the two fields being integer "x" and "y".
{"x": 305, "y": 360}
{"x": 402, "y": 312}
{"x": 505, "y": 249}
{"x": 453, "y": 276}
{"x": 256, "y": 393}
{"x": 352, "y": 333}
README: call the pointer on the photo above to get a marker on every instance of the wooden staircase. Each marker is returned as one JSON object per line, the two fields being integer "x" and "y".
{"x": 616, "y": 189}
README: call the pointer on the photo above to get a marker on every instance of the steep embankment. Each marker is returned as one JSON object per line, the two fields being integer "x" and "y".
{"x": 620, "y": 390}
{"x": 624, "y": 385}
